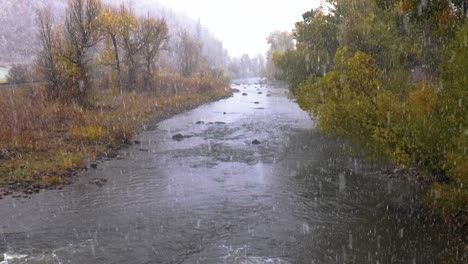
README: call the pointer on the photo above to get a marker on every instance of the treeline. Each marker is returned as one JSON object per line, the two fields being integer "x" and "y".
{"x": 104, "y": 45}
{"x": 246, "y": 67}
{"x": 390, "y": 75}
{"x": 18, "y": 44}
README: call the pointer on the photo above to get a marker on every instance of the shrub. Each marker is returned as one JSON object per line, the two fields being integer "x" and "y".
{"x": 19, "y": 74}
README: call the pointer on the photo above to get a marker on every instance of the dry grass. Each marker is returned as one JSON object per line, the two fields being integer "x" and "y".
{"x": 45, "y": 140}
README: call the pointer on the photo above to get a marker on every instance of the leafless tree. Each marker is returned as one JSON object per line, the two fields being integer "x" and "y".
{"x": 47, "y": 55}
{"x": 154, "y": 34}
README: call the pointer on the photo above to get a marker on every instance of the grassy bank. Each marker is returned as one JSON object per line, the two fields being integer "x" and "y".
{"x": 43, "y": 143}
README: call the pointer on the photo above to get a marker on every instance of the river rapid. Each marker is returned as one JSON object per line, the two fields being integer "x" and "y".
{"x": 216, "y": 196}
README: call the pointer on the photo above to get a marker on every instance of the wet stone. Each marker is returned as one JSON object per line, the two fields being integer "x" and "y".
{"x": 200, "y": 123}
{"x": 98, "y": 182}
{"x": 245, "y": 94}
{"x": 256, "y": 142}
{"x": 93, "y": 165}
{"x": 111, "y": 154}
{"x": 178, "y": 137}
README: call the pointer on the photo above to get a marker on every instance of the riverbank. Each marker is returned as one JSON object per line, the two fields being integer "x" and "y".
{"x": 215, "y": 197}
{"x": 43, "y": 144}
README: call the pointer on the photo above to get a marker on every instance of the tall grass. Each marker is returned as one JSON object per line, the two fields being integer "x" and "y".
{"x": 42, "y": 139}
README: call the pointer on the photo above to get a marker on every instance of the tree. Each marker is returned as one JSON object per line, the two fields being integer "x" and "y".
{"x": 111, "y": 24}
{"x": 82, "y": 32}
{"x": 131, "y": 44}
{"x": 280, "y": 42}
{"x": 154, "y": 34}
{"x": 188, "y": 53}
{"x": 47, "y": 58}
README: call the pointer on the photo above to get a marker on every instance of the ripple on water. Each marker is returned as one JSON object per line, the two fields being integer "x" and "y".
{"x": 239, "y": 256}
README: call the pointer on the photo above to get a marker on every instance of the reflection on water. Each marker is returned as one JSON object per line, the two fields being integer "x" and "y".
{"x": 217, "y": 197}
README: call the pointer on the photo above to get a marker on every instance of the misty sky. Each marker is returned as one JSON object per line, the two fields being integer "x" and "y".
{"x": 243, "y": 25}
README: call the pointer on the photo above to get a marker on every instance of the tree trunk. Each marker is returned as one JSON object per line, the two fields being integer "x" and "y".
{"x": 117, "y": 62}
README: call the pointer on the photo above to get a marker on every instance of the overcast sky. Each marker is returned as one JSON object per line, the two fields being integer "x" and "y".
{"x": 243, "y": 25}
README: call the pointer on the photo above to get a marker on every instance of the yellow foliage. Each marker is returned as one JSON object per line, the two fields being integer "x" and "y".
{"x": 423, "y": 100}
{"x": 88, "y": 133}
{"x": 53, "y": 180}
{"x": 404, "y": 6}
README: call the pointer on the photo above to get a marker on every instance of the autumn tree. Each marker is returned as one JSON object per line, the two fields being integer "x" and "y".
{"x": 47, "y": 57}
{"x": 81, "y": 34}
{"x": 111, "y": 23}
{"x": 188, "y": 53}
{"x": 131, "y": 45}
{"x": 280, "y": 42}
{"x": 154, "y": 35}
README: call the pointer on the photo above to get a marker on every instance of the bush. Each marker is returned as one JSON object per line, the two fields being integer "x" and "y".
{"x": 19, "y": 74}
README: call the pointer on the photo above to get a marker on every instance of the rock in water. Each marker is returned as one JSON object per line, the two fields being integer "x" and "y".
{"x": 93, "y": 165}
{"x": 98, "y": 182}
{"x": 256, "y": 142}
{"x": 200, "y": 123}
{"x": 178, "y": 137}
{"x": 245, "y": 94}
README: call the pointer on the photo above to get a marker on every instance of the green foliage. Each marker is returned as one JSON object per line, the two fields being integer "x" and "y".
{"x": 371, "y": 94}
{"x": 293, "y": 67}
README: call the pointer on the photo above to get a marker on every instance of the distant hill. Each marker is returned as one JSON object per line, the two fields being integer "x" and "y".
{"x": 18, "y": 30}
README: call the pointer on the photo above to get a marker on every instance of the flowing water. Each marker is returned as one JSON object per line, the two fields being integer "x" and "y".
{"x": 215, "y": 197}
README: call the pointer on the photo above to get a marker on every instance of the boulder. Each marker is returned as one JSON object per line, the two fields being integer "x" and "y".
{"x": 178, "y": 137}
{"x": 98, "y": 182}
{"x": 256, "y": 142}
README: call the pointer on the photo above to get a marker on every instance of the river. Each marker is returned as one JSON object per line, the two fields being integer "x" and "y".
{"x": 215, "y": 197}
